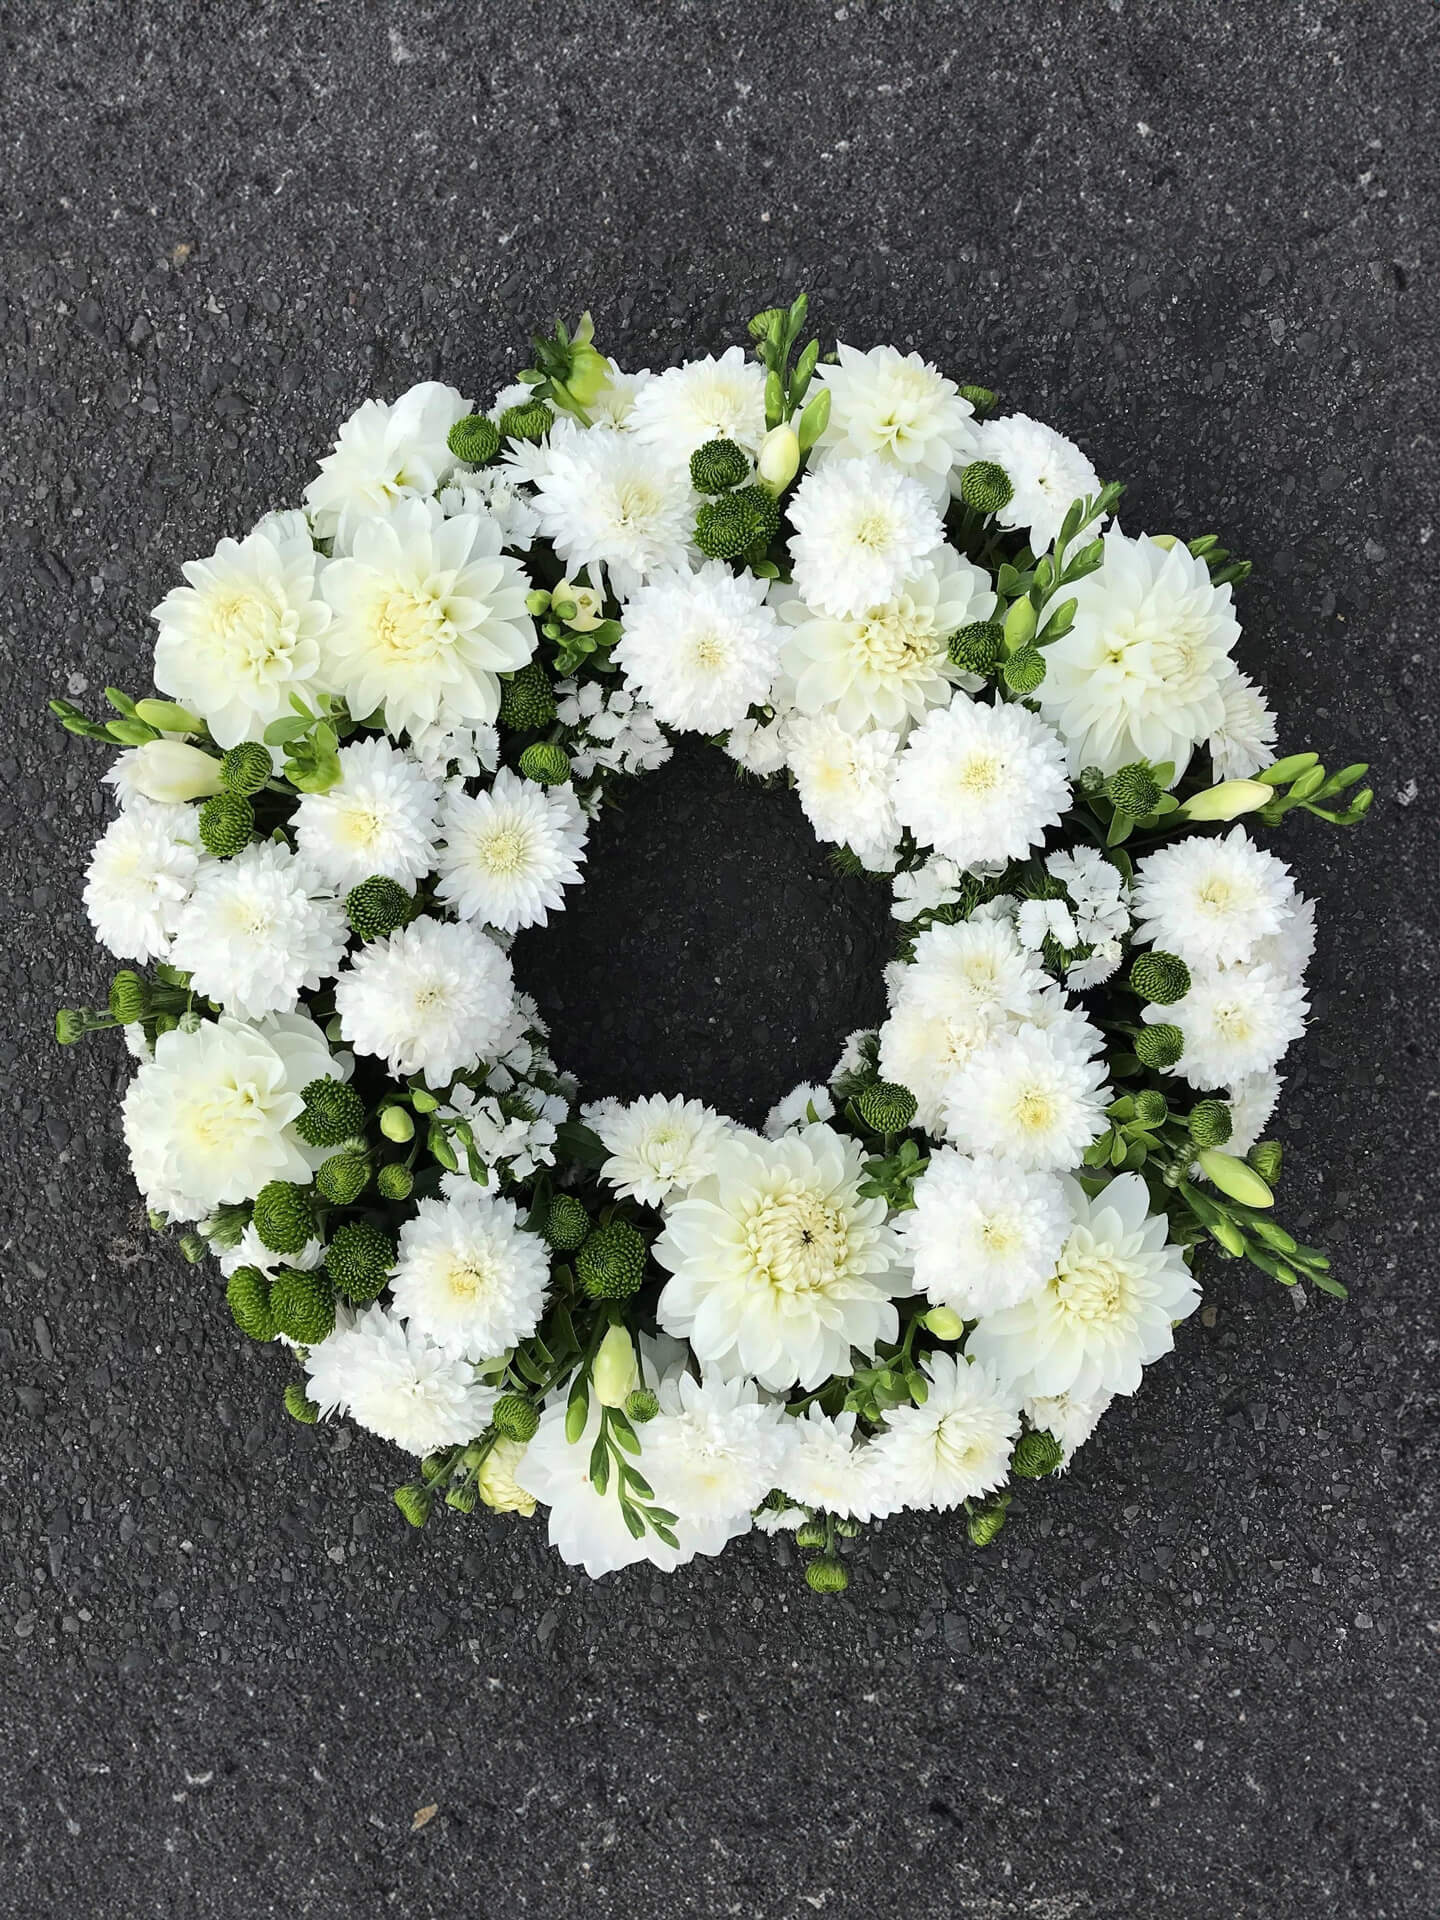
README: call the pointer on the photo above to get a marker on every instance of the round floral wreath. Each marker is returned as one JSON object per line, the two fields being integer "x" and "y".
{"x": 387, "y": 721}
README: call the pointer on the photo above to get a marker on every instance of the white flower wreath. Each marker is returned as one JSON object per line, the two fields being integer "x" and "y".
{"x": 385, "y": 724}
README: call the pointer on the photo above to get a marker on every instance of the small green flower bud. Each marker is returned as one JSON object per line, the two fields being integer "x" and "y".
{"x": 537, "y": 603}
{"x": 641, "y": 1406}
{"x": 166, "y": 717}
{"x": 474, "y": 440}
{"x": 395, "y": 1181}
{"x": 129, "y": 997}
{"x": 1091, "y": 781}
{"x": 1019, "y": 624}
{"x": 1160, "y": 978}
{"x": 982, "y": 399}
{"x": 70, "y": 1025}
{"x": 811, "y": 1534}
{"x": 886, "y": 1107}
{"x": 1160, "y": 1047}
{"x": 983, "y": 1525}
{"x": 377, "y": 907}
{"x": 397, "y": 1125}
{"x": 414, "y": 1503}
{"x": 1234, "y": 1177}
{"x": 546, "y": 762}
{"x": 247, "y": 1294}
{"x": 979, "y": 647}
{"x": 611, "y": 1263}
{"x": 359, "y": 1259}
{"x": 1152, "y": 1109}
{"x": 464, "y": 1498}
{"x": 303, "y": 1305}
{"x": 1024, "y": 671}
{"x": 284, "y": 1217}
{"x": 764, "y": 323}
{"x": 1134, "y": 790}
{"x": 193, "y": 1248}
{"x": 615, "y": 1375}
{"x": 943, "y": 1322}
{"x": 515, "y": 1417}
{"x": 1227, "y": 801}
{"x": 718, "y": 466}
{"x": 527, "y": 699}
{"x": 173, "y": 771}
{"x": 299, "y": 1406}
{"x": 827, "y": 1575}
{"x": 1267, "y": 1158}
{"x": 566, "y": 1224}
{"x": 227, "y": 821}
{"x": 1036, "y": 1454}
{"x": 246, "y": 768}
{"x": 530, "y": 421}
{"x": 1210, "y": 1124}
{"x": 343, "y": 1178}
{"x": 986, "y": 487}
{"x": 333, "y": 1112}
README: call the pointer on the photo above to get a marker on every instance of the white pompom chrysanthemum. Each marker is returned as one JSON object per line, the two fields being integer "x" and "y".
{"x": 1068, "y": 1418}
{"x": 1046, "y": 471}
{"x": 1107, "y": 1310}
{"x": 981, "y": 782}
{"x": 386, "y": 451}
{"x": 606, "y": 501}
{"x": 657, "y": 1146}
{"x": 700, "y": 648}
{"x": 398, "y": 1384}
{"x": 976, "y": 970}
{"x": 1029, "y": 1098}
{"x": 711, "y": 1454}
{"x": 1252, "y": 1102}
{"x": 711, "y": 399}
{"x": 468, "y": 1276}
{"x": 898, "y": 408}
{"x": 957, "y": 1445}
{"x": 778, "y": 1266}
{"x": 860, "y": 528}
{"x": 983, "y": 1232}
{"x": 1211, "y": 900}
{"x": 845, "y": 782}
{"x": 1244, "y": 740}
{"x": 825, "y": 1466}
{"x": 257, "y": 929}
{"x": 378, "y": 819}
{"x": 508, "y": 853}
{"x": 1236, "y": 1021}
{"x": 433, "y": 998}
{"x": 139, "y": 877}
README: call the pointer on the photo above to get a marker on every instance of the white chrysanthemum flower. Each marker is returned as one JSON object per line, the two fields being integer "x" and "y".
{"x": 658, "y": 1146}
{"x": 900, "y": 409}
{"x": 845, "y": 781}
{"x": 245, "y": 632}
{"x": 1211, "y": 900}
{"x": 493, "y": 490}
{"x": 428, "y": 614}
{"x": 1108, "y": 1309}
{"x": 711, "y": 1453}
{"x": 861, "y": 527}
{"x": 935, "y": 883}
{"x": 885, "y": 666}
{"x": 607, "y": 501}
{"x": 398, "y": 1384}
{"x": 1252, "y": 1101}
{"x": 700, "y": 648}
{"x": 825, "y": 1466}
{"x": 1141, "y": 673}
{"x": 1028, "y": 1097}
{"x": 1244, "y": 741}
{"x": 1047, "y": 471}
{"x": 981, "y": 782}
{"x": 1236, "y": 1021}
{"x": 139, "y": 877}
{"x": 975, "y": 970}
{"x": 1288, "y": 953}
{"x": 983, "y": 1233}
{"x": 468, "y": 1276}
{"x": 257, "y": 929}
{"x": 433, "y": 998}
{"x": 924, "y": 1051}
{"x": 378, "y": 819}
{"x": 711, "y": 399}
{"x": 508, "y": 853}
{"x": 1067, "y": 1418}
{"x": 757, "y": 746}
{"x": 385, "y": 452}
{"x": 614, "y": 405}
{"x": 801, "y": 1107}
{"x": 958, "y": 1445}
{"x": 210, "y": 1119}
{"x": 251, "y": 1251}
{"x": 778, "y": 1266}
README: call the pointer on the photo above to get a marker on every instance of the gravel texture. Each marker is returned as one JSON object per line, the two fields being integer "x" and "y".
{"x": 1196, "y": 1676}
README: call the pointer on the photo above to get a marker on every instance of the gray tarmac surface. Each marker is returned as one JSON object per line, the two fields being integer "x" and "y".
{"x": 1196, "y": 1676}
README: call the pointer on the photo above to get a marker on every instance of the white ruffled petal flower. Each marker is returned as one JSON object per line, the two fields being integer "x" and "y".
{"x": 1236, "y": 1021}
{"x": 861, "y": 526}
{"x": 981, "y": 783}
{"x": 257, "y": 929}
{"x": 1068, "y": 1418}
{"x": 386, "y": 451}
{"x": 899, "y": 408}
{"x": 468, "y": 1276}
{"x": 1047, "y": 471}
{"x": 433, "y": 998}
{"x": 983, "y": 1233}
{"x": 1031, "y": 1097}
{"x": 1244, "y": 740}
{"x": 957, "y": 1446}
{"x": 657, "y": 1146}
{"x": 607, "y": 501}
{"x": 585, "y": 1527}
{"x": 508, "y": 853}
{"x": 378, "y": 819}
{"x": 1252, "y": 1101}
{"x": 392, "y": 1380}
{"x": 700, "y": 648}
{"x": 845, "y": 782}
{"x": 1212, "y": 901}
{"x": 711, "y": 1453}
{"x": 801, "y": 1107}
{"x": 140, "y": 876}
{"x": 825, "y": 1466}
{"x": 676, "y": 411}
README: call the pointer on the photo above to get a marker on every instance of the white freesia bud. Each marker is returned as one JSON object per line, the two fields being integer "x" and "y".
{"x": 779, "y": 460}
{"x": 615, "y": 1375}
{"x": 169, "y": 770}
{"x": 1228, "y": 801}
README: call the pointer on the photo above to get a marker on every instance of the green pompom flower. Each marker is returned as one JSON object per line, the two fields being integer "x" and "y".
{"x": 640, "y": 1406}
{"x": 227, "y": 821}
{"x": 986, "y": 487}
{"x": 284, "y": 1216}
{"x": 978, "y": 648}
{"x": 1024, "y": 671}
{"x": 343, "y": 1178}
{"x": 247, "y": 1294}
{"x": 1267, "y": 1157}
{"x": 359, "y": 1259}
{"x": 611, "y": 1264}
{"x": 1160, "y": 978}
{"x": 546, "y": 762}
{"x": 303, "y": 1305}
{"x": 1160, "y": 1047}
{"x": 474, "y": 440}
{"x": 395, "y": 1181}
{"x": 414, "y": 1503}
{"x": 246, "y": 768}
{"x": 129, "y": 997}
{"x": 1151, "y": 1108}
{"x": 827, "y": 1575}
{"x": 1134, "y": 790}
{"x": 333, "y": 1112}
{"x": 299, "y": 1406}
{"x": 1036, "y": 1454}
{"x": 718, "y": 466}
{"x": 377, "y": 907}
{"x": 982, "y": 399}
{"x": 1210, "y": 1123}
{"x": 566, "y": 1224}
{"x": 886, "y": 1107}
{"x": 516, "y": 1417}
{"x": 532, "y": 420}
{"x": 730, "y": 526}
{"x": 983, "y": 1525}
{"x": 527, "y": 699}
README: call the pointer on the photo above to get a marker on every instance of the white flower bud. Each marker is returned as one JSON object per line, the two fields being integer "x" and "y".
{"x": 779, "y": 460}
{"x": 169, "y": 770}
{"x": 1228, "y": 801}
{"x": 615, "y": 1375}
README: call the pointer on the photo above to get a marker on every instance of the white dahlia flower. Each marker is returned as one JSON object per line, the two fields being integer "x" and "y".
{"x": 392, "y": 1380}
{"x": 1244, "y": 741}
{"x": 587, "y": 1529}
{"x": 711, "y": 399}
{"x": 1047, "y": 471}
{"x": 825, "y": 1466}
{"x": 257, "y": 930}
{"x": 607, "y": 501}
{"x": 468, "y": 1276}
{"x": 957, "y": 1446}
{"x": 210, "y": 1118}
{"x": 428, "y": 614}
{"x": 981, "y": 783}
{"x": 900, "y": 409}
{"x": 508, "y": 853}
{"x": 433, "y": 998}
{"x": 386, "y": 451}
{"x": 139, "y": 877}
{"x": 1236, "y": 1021}
{"x": 657, "y": 1146}
{"x": 1142, "y": 672}
{"x": 886, "y": 665}
{"x": 1067, "y": 1418}
{"x": 983, "y": 1232}
{"x": 1107, "y": 1310}
{"x": 1031, "y": 1097}
{"x": 700, "y": 648}
{"x": 712, "y": 1453}
{"x": 860, "y": 528}
{"x": 378, "y": 819}
{"x": 1211, "y": 900}
{"x": 245, "y": 632}
{"x": 845, "y": 782}
{"x": 778, "y": 1266}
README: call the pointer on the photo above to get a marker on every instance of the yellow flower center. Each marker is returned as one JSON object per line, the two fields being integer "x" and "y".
{"x": 409, "y": 626}
{"x": 797, "y": 1242}
{"x": 504, "y": 851}
{"x": 897, "y": 638}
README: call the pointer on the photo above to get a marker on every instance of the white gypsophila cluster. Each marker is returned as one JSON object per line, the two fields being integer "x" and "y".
{"x": 611, "y": 731}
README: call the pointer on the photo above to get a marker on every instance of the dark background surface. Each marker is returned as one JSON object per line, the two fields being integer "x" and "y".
{"x": 1195, "y": 1677}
